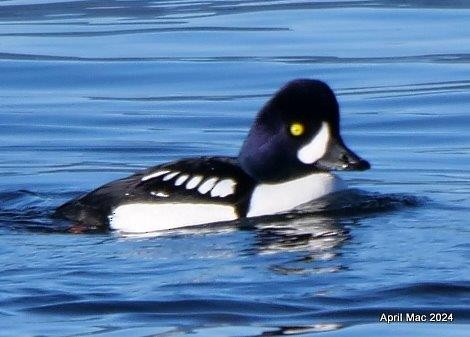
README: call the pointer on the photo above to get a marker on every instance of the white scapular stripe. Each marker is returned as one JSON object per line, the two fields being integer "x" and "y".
{"x": 170, "y": 176}
{"x": 154, "y": 175}
{"x": 181, "y": 179}
{"x": 207, "y": 185}
{"x": 193, "y": 182}
{"x": 275, "y": 198}
{"x": 223, "y": 188}
{"x": 151, "y": 217}
{"x": 160, "y": 194}
{"x": 311, "y": 152}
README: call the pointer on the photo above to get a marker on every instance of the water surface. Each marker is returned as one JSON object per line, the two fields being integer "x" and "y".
{"x": 91, "y": 91}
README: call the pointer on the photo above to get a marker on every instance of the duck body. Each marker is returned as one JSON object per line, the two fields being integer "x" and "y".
{"x": 177, "y": 194}
{"x": 284, "y": 162}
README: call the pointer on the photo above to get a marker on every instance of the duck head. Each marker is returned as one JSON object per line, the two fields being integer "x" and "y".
{"x": 297, "y": 132}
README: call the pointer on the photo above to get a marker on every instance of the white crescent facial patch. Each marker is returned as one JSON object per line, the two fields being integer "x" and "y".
{"x": 316, "y": 148}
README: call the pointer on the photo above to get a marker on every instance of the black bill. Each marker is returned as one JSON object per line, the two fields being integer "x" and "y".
{"x": 339, "y": 157}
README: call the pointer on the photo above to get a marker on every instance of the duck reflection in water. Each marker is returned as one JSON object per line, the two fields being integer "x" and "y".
{"x": 316, "y": 234}
{"x": 320, "y": 228}
{"x": 310, "y": 231}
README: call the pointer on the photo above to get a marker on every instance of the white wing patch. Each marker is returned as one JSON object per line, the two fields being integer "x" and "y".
{"x": 159, "y": 194}
{"x": 217, "y": 188}
{"x": 194, "y": 182}
{"x": 181, "y": 179}
{"x": 154, "y": 175}
{"x": 151, "y": 217}
{"x": 223, "y": 188}
{"x": 311, "y": 152}
{"x": 207, "y": 185}
{"x": 170, "y": 176}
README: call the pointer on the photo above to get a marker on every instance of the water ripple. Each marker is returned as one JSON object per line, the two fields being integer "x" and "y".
{"x": 92, "y": 90}
{"x": 425, "y": 58}
{"x": 143, "y": 9}
{"x": 27, "y": 210}
{"x": 147, "y": 30}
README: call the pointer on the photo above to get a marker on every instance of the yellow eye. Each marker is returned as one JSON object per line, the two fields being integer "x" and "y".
{"x": 297, "y": 129}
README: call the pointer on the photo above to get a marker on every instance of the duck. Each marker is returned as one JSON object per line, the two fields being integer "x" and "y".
{"x": 286, "y": 160}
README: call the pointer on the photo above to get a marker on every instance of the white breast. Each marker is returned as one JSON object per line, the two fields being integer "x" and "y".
{"x": 275, "y": 198}
{"x": 151, "y": 217}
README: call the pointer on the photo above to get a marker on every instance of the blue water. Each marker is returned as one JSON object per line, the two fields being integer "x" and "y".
{"x": 91, "y": 91}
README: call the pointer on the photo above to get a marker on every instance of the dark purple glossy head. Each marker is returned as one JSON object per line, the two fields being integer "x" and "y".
{"x": 297, "y": 132}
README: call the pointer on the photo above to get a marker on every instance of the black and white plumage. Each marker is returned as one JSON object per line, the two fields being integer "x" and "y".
{"x": 283, "y": 163}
